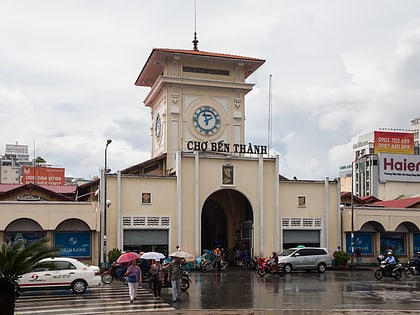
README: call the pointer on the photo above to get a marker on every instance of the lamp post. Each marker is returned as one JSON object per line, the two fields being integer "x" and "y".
{"x": 105, "y": 201}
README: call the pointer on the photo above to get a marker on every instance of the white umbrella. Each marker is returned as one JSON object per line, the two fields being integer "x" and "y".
{"x": 152, "y": 255}
{"x": 181, "y": 254}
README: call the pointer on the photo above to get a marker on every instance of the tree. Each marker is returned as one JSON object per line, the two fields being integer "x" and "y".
{"x": 16, "y": 260}
{"x": 40, "y": 160}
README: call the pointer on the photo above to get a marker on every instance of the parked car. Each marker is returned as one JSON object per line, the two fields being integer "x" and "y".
{"x": 60, "y": 273}
{"x": 306, "y": 258}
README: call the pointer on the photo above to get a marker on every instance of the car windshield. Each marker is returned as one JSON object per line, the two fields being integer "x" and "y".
{"x": 287, "y": 252}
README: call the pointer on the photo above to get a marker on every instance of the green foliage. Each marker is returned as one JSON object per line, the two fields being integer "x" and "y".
{"x": 16, "y": 260}
{"x": 341, "y": 256}
{"x": 113, "y": 254}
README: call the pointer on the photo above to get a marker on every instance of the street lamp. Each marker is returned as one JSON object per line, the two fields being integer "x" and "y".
{"x": 106, "y": 202}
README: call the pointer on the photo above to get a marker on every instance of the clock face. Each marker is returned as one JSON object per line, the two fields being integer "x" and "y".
{"x": 206, "y": 120}
{"x": 157, "y": 126}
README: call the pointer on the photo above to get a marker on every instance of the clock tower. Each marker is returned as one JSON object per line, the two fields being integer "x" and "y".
{"x": 195, "y": 97}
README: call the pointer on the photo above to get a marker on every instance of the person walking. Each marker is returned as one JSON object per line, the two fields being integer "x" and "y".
{"x": 157, "y": 278}
{"x": 134, "y": 278}
{"x": 175, "y": 276}
{"x": 359, "y": 255}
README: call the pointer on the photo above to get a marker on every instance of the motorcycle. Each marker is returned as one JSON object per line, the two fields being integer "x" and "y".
{"x": 385, "y": 271}
{"x": 412, "y": 268}
{"x": 210, "y": 262}
{"x": 185, "y": 285}
{"x": 268, "y": 266}
{"x": 112, "y": 273}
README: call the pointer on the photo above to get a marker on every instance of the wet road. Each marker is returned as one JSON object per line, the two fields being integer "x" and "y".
{"x": 240, "y": 291}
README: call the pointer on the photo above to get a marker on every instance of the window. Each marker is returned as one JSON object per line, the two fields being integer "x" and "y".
{"x": 301, "y": 201}
{"x": 146, "y": 198}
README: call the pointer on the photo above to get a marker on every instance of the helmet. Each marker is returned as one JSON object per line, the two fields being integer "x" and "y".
{"x": 418, "y": 253}
{"x": 389, "y": 253}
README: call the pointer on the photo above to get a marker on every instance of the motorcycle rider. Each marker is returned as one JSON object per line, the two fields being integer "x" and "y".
{"x": 390, "y": 260}
{"x": 274, "y": 260}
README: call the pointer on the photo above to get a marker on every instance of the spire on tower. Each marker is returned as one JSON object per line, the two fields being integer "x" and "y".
{"x": 195, "y": 41}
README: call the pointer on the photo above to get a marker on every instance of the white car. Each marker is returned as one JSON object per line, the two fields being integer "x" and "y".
{"x": 62, "y": 273}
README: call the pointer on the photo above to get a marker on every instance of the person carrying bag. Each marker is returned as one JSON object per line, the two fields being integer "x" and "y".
{"x": 134, "y": 277}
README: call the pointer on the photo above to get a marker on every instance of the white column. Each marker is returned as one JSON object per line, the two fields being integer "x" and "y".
{"x": 278, "y": 242}
{"x": 261, "y": 202}
{"x": 197, "y": 216}
{"x": 325, "y": 221}
{"x": 102, "y": 207}
{"x": 118, "y": 207}
{"x": 178, "y": 200}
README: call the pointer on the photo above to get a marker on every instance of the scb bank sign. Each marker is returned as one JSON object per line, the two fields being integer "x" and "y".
{"x": 399, "y": 167}
{"x": 223, "y": 147}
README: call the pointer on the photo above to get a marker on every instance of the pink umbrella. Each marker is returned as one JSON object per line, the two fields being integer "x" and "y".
{"x": 127, "y": 257}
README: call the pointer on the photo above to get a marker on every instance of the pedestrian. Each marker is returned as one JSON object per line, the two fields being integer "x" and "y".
{"x": 359, "y": 255}
{"x": 134, "y": 278}
{"x": 175, "y": 276}
{"x": 157, "y": 278}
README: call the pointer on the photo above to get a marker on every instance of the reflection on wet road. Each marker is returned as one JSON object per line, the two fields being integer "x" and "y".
{"x": 239, "y": 289}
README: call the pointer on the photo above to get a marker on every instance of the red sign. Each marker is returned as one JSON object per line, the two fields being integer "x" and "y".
{"x": 394, "y": 142}
{"x": 43, "y": 175}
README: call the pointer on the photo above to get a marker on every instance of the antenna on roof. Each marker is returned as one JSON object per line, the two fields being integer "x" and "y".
{"x": 195, "y": 41}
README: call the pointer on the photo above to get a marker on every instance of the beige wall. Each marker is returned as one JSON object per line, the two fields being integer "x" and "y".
{"x": 50, "y": 214}
{"x": 182, "y": 199}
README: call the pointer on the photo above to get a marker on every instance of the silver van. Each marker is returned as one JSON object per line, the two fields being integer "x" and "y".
{"x": 305, "y": 258}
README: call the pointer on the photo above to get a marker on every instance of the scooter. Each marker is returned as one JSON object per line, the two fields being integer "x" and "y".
{"x": 412, "y": 268}
{"x": 111, "y": 273}
{"x": 268, "y": 266}
{"x": 385, "y": 271}
{"x": 185, "y": 285}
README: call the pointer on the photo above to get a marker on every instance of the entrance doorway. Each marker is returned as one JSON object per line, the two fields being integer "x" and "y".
{"x": 227, "y": 222}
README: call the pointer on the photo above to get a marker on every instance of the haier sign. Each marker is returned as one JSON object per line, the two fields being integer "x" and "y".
{"x": 399, "y": 167}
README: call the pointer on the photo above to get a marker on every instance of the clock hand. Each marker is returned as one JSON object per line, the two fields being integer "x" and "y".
{"x": 207, "y": 118}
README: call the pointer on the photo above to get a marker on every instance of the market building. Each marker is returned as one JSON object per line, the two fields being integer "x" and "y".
{"x": 204, "y": 186}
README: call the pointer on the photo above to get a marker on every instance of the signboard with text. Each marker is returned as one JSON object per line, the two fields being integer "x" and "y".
{"x": 399, "y": 167}
{"x": 393, "y": 142}
{"x": 43, "y": 175}
{"x": 73, "y": 244}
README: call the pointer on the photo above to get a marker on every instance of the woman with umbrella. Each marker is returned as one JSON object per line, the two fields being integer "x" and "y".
{"x": 134, "y": 278}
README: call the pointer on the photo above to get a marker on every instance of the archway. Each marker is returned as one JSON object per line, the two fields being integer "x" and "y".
{"x": 25, "y": 230}
{"x": 227, "y": 222}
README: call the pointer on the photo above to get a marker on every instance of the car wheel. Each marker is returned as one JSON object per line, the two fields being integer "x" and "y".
{"x": 288, "y": 268}
{"x": 322, "y": 268}
{"x": 79, "y": 286}
{"x": 107, "y": 278}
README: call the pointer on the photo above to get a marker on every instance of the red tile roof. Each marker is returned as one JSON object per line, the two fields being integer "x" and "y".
{"x": 67, "y": 189}
{"x": 397, "y": 203}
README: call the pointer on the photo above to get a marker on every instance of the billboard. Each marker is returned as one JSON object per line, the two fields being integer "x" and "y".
{"x": 40, "y": 175}
{"x": 399, "y": 167}
{"x": 73, "y": 244}
{"x": 393, "y": 142}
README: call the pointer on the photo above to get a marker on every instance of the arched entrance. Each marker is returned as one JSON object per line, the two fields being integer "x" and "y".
{"x": 227, "y": 221}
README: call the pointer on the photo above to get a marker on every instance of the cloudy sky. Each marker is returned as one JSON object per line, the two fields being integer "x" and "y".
{"x": 339, "y": 69}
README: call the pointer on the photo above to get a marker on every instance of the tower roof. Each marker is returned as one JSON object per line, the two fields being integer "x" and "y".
{"x": 154, "y": 65}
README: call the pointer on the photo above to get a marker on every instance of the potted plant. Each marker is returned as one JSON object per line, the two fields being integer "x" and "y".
{"x": 341, "y": 257}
